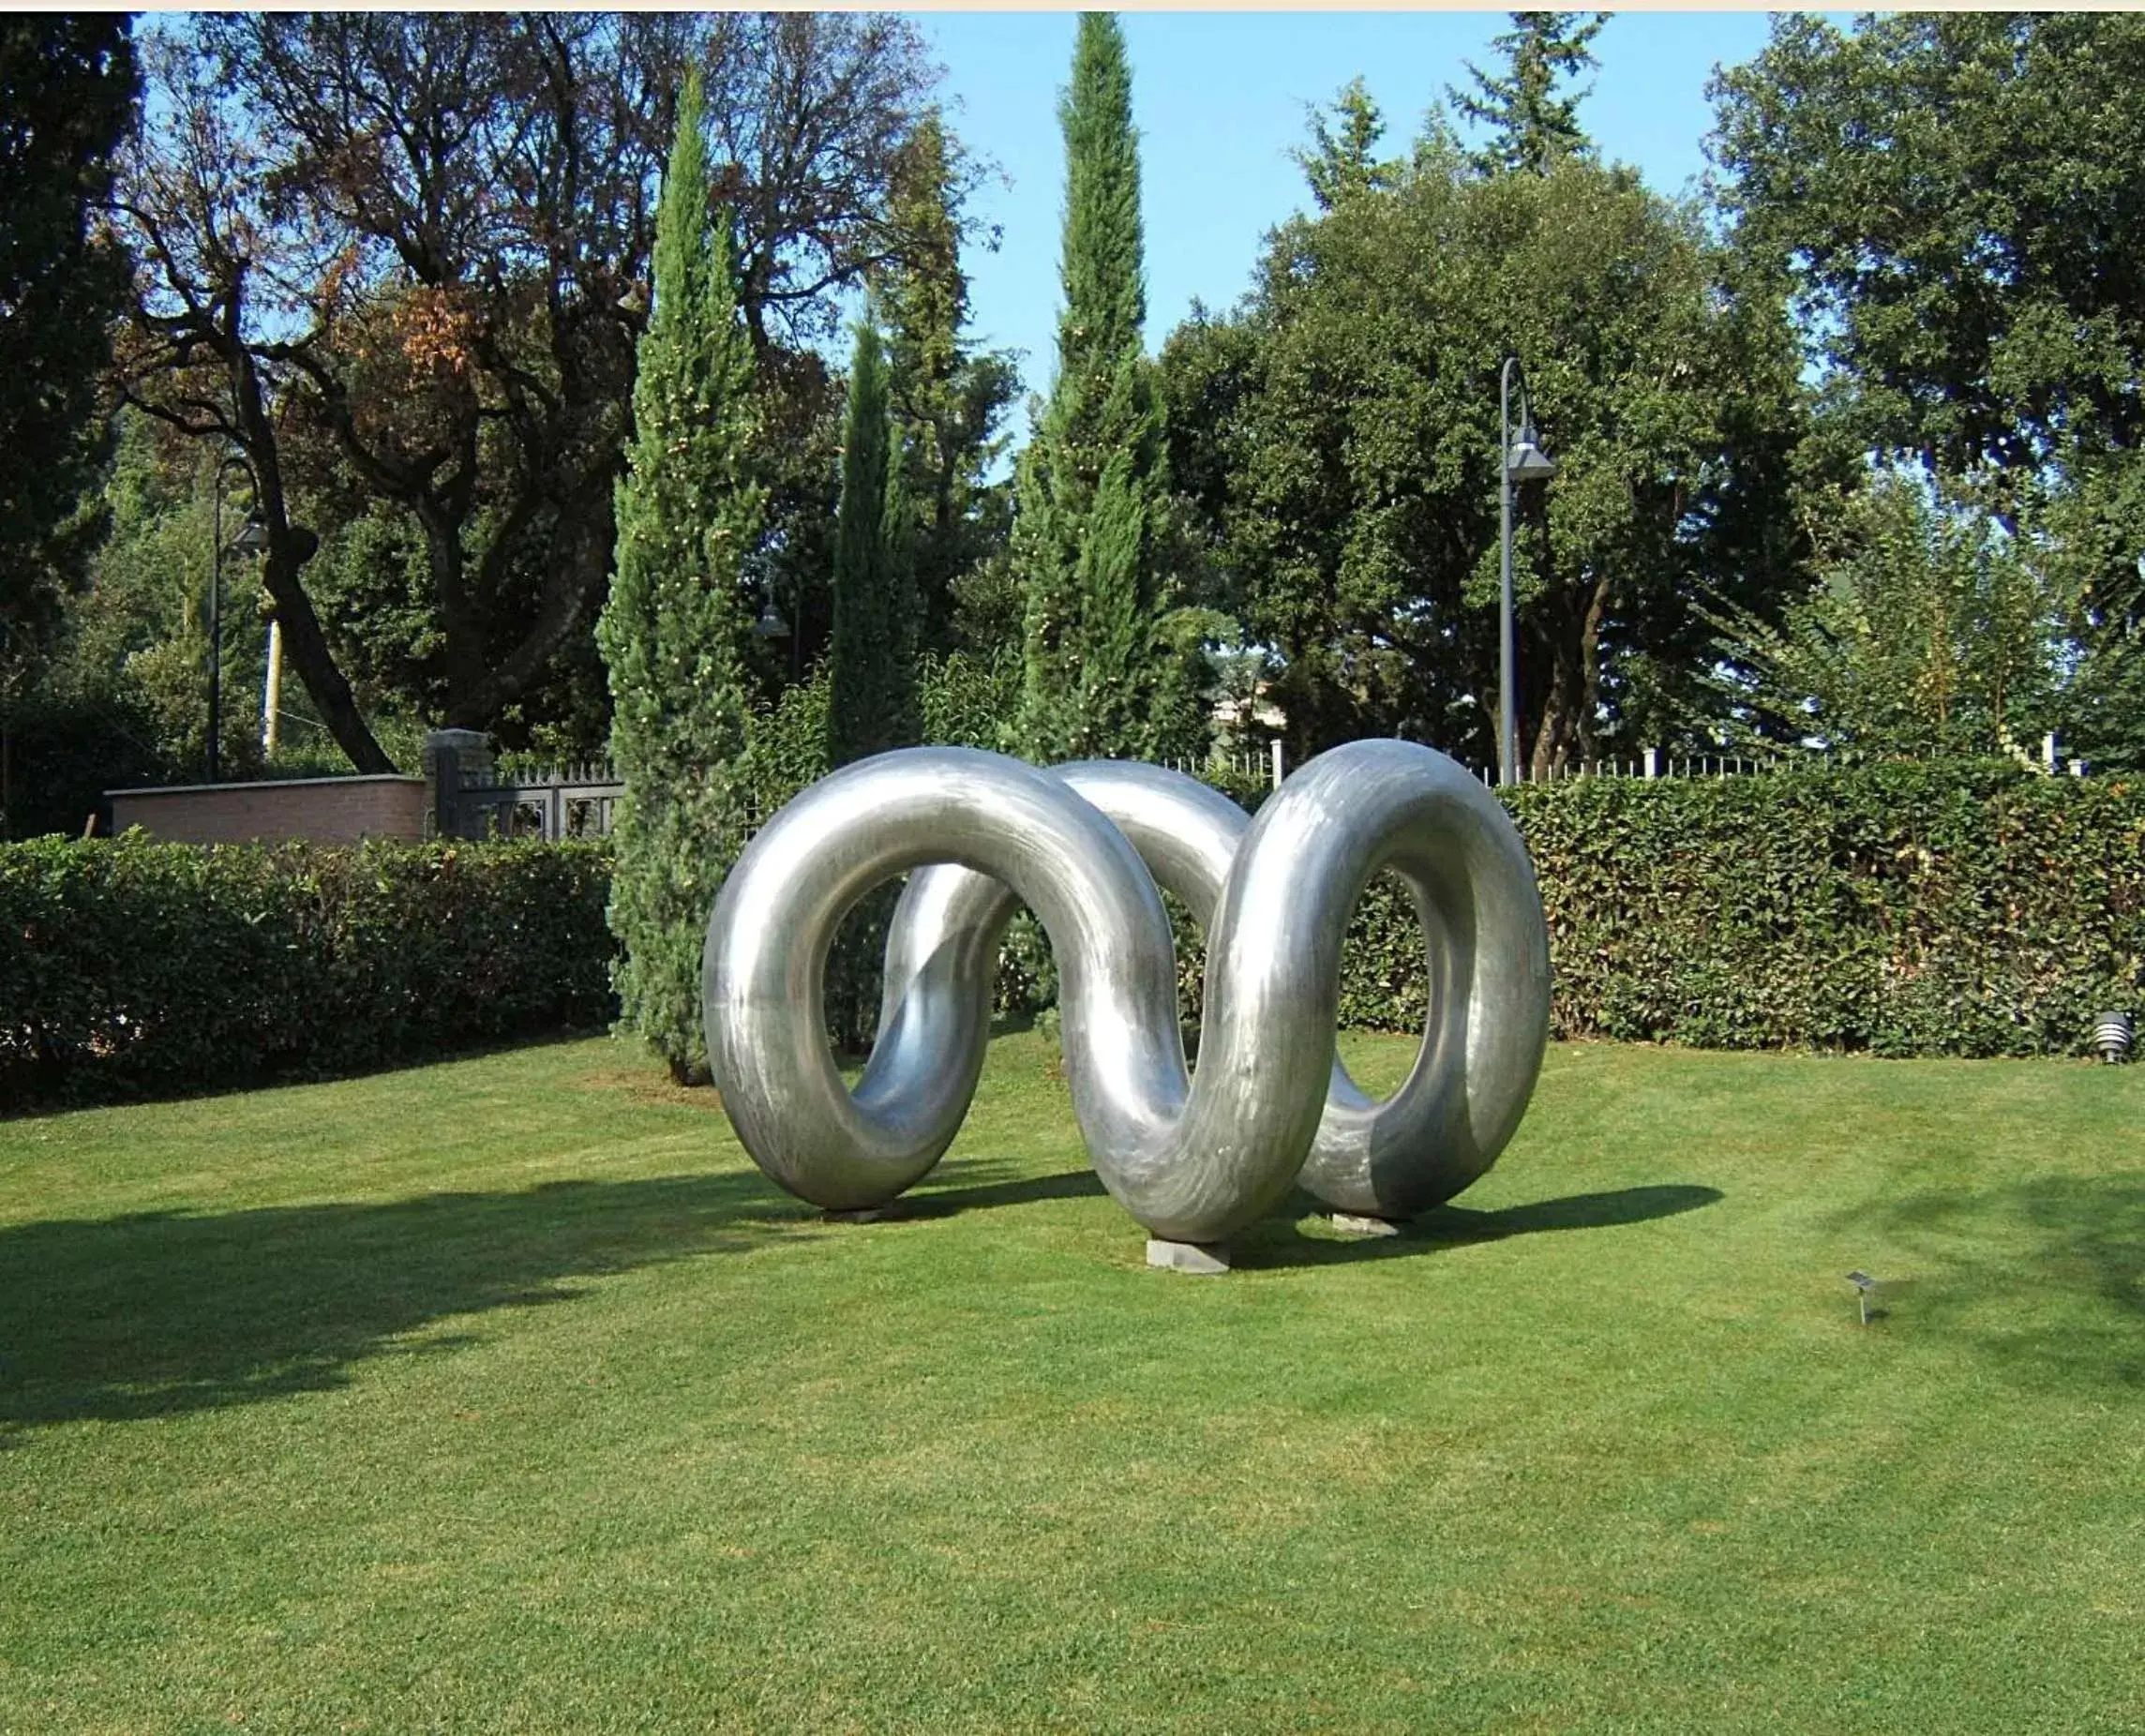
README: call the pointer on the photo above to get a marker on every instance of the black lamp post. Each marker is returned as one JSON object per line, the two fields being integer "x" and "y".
{"x": 1518, "y": 461}
{"x": 251, "y": 539}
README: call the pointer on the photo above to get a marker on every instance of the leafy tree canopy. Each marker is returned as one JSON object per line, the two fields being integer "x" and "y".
{"x": 1340, "y": 434}
{"x": 400, "y": 261}
{"x": 1932, "y": 628}
{"x": 67, "y": 94}
{"x": 1959, "y": 199}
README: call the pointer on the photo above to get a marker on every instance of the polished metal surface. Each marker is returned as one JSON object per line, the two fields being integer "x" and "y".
{"x": 1191, "y": 1156}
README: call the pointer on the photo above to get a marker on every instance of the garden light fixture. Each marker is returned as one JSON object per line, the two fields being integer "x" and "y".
{"x": 1525, "y": 461}
{"x": 2112, "y": 1033}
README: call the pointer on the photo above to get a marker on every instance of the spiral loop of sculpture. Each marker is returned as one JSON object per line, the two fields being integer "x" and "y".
{"x": 1193, "y": 1154}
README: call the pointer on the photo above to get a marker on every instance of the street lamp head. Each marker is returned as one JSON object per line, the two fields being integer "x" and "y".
{"x": 770, "y": 625}
{"x": 1526, "y": 461}
{"x": 253, "y": 538}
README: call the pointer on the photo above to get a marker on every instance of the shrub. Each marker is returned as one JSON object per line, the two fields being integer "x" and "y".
{"x": 1903, "y": 908}
{"x": 1906, "y": 910}
{"x": 65, "y": 750}
{"x": 135, "y": 967}
{"x": 1936, "y": 907}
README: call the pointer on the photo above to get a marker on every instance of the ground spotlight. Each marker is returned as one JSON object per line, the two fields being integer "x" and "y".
{"x": 2112, "y": 1036}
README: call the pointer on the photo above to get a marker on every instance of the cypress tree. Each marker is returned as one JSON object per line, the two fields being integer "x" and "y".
{"x": 946, "y": 399}
{"x": 872, "y": 675}
{"x": 672, "y": 631}
{"x": 1103, "y": 672}
{"x": 871, "y": 661}
{"x": 898, "y": 543}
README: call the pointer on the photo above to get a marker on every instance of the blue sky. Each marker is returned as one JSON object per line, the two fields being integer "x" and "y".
{"x": 1220, "y": 99}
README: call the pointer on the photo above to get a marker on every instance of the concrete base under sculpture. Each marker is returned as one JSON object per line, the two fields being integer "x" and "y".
{"x": 1356, "y": 1224}
{"x": 1194, "y": 1158}
{"x": 1209, "y": 1259}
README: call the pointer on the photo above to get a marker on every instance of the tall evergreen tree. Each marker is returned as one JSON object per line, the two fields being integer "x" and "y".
{"x": 1532, "y": 129}
{"x": 870, "y": 658}
{"x": 1109, "y": 667}
{"x": 688, "y": 511}
{"x": 948, "y": 401}
{"x": 871, "y": 702}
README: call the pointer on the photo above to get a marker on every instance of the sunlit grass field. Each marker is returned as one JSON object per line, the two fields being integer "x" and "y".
{"x": 506, "y": 1396}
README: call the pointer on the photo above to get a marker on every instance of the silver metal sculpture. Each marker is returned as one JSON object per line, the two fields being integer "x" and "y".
{"x": 1191, "y": 1155}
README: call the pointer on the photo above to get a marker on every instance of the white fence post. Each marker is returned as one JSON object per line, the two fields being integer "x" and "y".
{"x": 1653, "y": 762}
{"x": 1277, "y": 762}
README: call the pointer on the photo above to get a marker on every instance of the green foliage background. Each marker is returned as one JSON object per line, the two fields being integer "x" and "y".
{"x": 138, "y": 968}
{"x": 1946, "y": 907}
{"x": 1337, "y": 436}
{"x": 1905, "y": 908}
{"x": 1953, "y": 907}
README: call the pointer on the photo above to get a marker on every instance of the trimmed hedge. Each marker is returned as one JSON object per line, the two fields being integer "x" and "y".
{"x": 132, "y": 967}
{"x": 1904, "y": 908}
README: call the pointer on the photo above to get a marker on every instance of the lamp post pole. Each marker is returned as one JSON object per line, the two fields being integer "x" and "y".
{"x": 216, "y": 624}
{"x": 1518, "y": 461}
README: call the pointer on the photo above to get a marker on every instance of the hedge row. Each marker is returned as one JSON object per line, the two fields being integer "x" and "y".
{"x": 132, "y": 967}
{"x": 1900, "y": 908}
{"x": 1906, "y": 910}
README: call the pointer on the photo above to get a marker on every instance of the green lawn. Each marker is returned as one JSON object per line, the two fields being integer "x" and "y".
{"x": 504, "y": 1394}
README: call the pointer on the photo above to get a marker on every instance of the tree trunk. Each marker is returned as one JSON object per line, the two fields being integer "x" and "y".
{"x": 1590, "y": 665}
{"x": 307, "y": 648}
{"x": 580, "y": 560}
{"x": 1564, "y": 739}
{"x": 462, "y": 626}
{"x": 290, "y": 547}
{"x": 1560, "y": 699}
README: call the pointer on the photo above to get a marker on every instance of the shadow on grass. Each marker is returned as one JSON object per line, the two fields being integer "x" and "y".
{"x": 143, "y": 1316}
{"x": 92, "y": 1088}
{"x": 1018, "y": 1190}
{"x": 2046, "y": 1278}
{"x": 1278, "y": 1241}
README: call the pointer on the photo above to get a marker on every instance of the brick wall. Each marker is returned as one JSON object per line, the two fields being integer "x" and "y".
{"x": 325, "y": 809}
